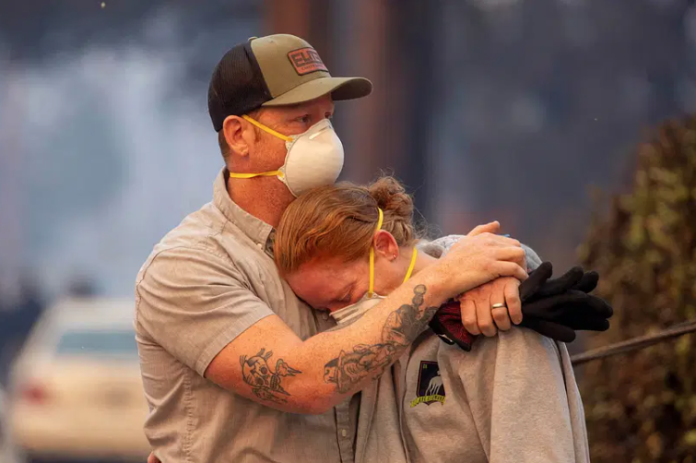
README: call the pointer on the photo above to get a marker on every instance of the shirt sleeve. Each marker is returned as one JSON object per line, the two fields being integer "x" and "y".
{"x": 516, "y": 390}
{"x": 193, "y": 303}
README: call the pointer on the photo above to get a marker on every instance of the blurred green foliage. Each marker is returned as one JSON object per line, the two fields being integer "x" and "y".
{"x": 641, "y": 407}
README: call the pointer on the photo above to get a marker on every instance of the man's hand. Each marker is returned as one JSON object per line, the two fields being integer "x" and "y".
{"x": 494, "y": 228}
{"x": 479, "y": 317}
{"x": 478, "y": 258}
{"x": 477, "y": 314}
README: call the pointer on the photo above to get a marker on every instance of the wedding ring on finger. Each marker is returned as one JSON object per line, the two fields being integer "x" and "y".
{"x": 499, "y": 305}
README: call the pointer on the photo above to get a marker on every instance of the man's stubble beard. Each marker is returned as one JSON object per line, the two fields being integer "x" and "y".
{"x": 264, "y": 197}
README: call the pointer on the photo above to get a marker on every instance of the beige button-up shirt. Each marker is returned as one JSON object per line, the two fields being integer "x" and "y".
{"x": 204, "y": 284}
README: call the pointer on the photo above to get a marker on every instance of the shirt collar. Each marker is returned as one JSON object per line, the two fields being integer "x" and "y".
{"x": 256, "y": 229}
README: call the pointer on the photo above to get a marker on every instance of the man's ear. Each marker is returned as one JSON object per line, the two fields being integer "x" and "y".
{"x": 238, "y": 134}
{"x": 385, "y": 244}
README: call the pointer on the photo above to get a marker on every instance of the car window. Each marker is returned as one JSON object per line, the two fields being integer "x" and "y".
{"x": 2, "y": 424}
{"x": 97, "y": 343}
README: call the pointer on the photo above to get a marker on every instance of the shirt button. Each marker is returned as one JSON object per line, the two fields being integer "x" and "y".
{"x": 259, "y": 245}
{"x": 325, "y": 316}
{"x": 344, "y": 433}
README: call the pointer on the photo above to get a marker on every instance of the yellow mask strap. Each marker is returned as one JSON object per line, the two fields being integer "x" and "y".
{"x": 413, "y": 264}
{"x": 273, "y": 173}
{"x": 266, "y": 129}
{"x": 371, "y": 288}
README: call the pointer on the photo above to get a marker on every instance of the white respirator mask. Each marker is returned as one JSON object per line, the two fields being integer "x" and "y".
{"x": 314, "y": 158}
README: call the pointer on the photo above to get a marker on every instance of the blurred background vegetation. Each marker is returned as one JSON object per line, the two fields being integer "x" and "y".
{"x": 641, "y": 407}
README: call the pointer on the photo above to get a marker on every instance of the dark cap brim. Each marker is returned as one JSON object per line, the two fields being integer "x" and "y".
{"x": 341, "y": 88}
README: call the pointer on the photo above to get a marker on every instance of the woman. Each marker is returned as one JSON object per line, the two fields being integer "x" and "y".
{"x": 513, "y": 398}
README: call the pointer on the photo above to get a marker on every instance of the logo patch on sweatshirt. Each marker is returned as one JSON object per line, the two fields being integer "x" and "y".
{"x": 430, "y": 387}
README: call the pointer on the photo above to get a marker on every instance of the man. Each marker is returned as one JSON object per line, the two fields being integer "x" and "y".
{"x": 226, "y": 348}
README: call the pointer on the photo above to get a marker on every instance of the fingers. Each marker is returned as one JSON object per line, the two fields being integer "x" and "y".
{"x": 601, "y": 307}
{"x": 509, "y": 269}
{"x": 537, "y": 278}
{"x": 502, "y": 241}
{"x": 469, "y": 316}
{"x": 501, "y": 318}
{"x": 490, "y": 239}
{"x": 559, "y": 285}
{"x": 482, "y": 258}
{"x": 512, "y": 254}
{"x": 514, "y": 304}
{"x": 585, "y": 322}
{"x": 506, "y": 295}
{"x": 510, "y": 263}
{"x": 576, "y": 310}
{"x": 591, "y": 308}
{"x": 492, "y": 227}
{"x": 553, "y": 307}
{"x": 588, "y": 283}
{"x": 485, "y": 318}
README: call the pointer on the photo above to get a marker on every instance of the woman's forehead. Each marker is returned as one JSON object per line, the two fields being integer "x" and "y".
{"x": 333, "y": 271}
{"x": 325, "y": 278}
{"x": 336, "y": 267}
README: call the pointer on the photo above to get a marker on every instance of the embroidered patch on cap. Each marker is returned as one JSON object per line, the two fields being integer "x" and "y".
{"x": 430, "y": 387}
{"x": 306, "y": 60}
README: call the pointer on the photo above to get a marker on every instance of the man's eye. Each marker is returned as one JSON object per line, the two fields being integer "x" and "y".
{"x": 306, "y": 119}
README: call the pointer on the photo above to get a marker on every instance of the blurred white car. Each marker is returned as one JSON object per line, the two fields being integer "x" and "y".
{"x": 7, "y": 454}
{"x": 76, "y": 390}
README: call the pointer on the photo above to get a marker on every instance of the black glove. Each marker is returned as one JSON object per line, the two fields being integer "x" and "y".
{"x": 559, "y": 307}
{"x": 554, "y": 308}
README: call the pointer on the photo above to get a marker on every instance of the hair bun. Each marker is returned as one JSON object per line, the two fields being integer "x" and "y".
{"x": 392, "y": 198}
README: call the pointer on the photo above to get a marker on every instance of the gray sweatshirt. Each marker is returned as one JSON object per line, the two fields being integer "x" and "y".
{"x": 512, "y": 399}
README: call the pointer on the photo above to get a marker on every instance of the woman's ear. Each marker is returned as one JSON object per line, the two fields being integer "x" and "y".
{"x": 385, "y": 245}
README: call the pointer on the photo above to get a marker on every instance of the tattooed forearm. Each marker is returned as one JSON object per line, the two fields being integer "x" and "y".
{"x": 400, "y": 330}
{"x": 264, "y": 383}
{"x": 408, "y": 321}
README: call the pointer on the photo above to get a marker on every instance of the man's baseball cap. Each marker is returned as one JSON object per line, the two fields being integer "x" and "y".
{"x": 276, "y": 70}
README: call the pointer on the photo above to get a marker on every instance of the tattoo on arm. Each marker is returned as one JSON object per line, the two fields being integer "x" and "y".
{"x": 266, "y": 384}
{"x": 401, "y": 329}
